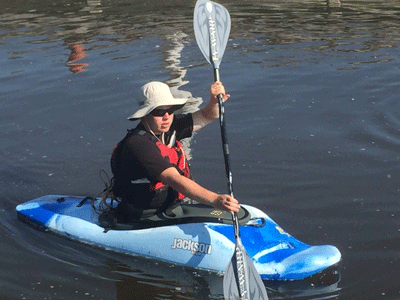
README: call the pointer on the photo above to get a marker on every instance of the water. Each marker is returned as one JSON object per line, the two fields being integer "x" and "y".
{"x": 313, "y": 125}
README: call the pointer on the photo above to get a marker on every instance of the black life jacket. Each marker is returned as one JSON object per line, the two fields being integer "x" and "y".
{"x": 153, "y": 194}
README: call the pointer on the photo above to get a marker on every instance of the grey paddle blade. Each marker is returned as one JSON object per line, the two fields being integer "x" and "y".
{"x": 241, "y": 279}
{"x": 212, "y": 25}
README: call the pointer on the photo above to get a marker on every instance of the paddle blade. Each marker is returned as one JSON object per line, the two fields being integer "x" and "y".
{"x": 212, "y": 25}
{"x": 241, "y": 279}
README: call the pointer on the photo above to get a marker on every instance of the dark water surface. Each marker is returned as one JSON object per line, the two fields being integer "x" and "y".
{"x": 313, "y": 124}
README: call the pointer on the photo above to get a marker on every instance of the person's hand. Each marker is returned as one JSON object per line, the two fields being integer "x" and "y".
{"x": 216, "y": 89}
{"x": 227, "y": 203}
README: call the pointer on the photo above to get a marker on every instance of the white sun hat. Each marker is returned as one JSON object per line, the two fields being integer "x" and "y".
{"x": 156, "y": 94}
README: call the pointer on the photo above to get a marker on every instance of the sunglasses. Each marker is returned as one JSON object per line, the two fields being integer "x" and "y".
{"x": 159, "y": 112}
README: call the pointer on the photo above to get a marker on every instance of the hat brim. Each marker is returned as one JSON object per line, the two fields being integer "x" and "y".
{"x": 145, "y": 110}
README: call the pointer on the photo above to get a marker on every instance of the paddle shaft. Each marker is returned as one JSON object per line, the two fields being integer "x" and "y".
{"x": 224, "y": 137}
{"x": 225, "y": 148}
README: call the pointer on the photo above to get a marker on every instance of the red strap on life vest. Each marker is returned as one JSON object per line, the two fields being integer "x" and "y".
{"x": 177, "y": 157}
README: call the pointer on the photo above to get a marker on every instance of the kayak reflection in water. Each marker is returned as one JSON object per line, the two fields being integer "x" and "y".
{"x": 151, "y": 172}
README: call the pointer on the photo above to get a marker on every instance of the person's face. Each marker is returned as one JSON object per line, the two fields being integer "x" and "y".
{"x": 160, "y": 119}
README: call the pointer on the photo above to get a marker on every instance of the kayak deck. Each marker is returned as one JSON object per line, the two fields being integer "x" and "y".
{"x": 182, "y": 214}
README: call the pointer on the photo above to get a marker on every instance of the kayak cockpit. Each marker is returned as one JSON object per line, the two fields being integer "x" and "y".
{"x": 182, "y": 214}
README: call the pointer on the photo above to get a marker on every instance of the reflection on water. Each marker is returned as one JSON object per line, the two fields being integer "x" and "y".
{"x": 77, "y": 53}
{"x": 181, "y": 283}
{"x": 319, "y": 25}
{"x": 354, "y": 26}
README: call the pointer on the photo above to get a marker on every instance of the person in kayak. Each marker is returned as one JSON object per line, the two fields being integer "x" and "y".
{"x": 149, "y": 165}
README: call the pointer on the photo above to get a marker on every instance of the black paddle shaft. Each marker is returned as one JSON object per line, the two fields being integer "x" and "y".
{"x": 225, "y": 148}
{"x": 225, "y": 145}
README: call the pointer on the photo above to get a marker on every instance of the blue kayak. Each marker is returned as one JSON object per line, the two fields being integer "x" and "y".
{"x": 196, "y": 236}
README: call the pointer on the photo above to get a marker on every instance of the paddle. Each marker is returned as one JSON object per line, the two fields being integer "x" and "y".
{"x": 211, "y": 27}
